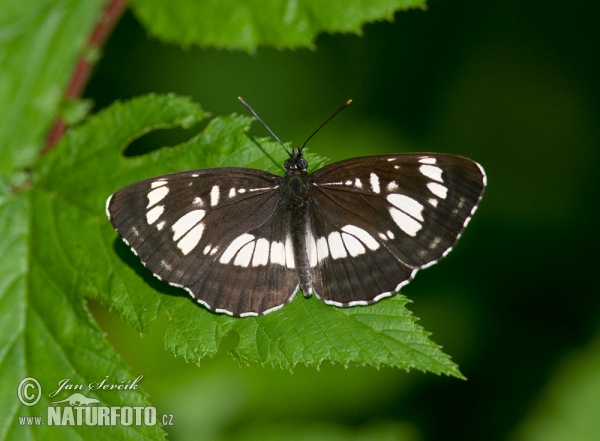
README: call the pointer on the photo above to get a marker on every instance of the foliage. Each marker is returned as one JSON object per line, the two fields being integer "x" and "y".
{"x": 57, "y": 247}
{"x": 238, "y": 24}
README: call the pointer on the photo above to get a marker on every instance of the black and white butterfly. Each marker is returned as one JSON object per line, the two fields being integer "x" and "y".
{"x": 243, "y": 241}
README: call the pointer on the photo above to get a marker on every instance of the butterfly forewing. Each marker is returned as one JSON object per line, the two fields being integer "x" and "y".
{"x": 220, "y": 233}
{"x": 377, "y": 220}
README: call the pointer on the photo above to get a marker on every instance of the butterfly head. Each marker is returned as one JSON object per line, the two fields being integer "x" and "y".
{"x": 296, "y": 162}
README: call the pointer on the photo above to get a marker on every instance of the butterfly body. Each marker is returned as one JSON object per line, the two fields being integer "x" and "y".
{"x": 296, "y": 187}
{"x": 244, "y": 241}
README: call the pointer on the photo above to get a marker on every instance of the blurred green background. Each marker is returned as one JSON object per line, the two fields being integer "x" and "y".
{"x": 510, "y": 84}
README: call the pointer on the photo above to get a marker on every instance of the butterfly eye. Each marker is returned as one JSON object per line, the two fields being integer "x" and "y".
{"x": 287, "y": 164}
{"x": 302, "y": 164}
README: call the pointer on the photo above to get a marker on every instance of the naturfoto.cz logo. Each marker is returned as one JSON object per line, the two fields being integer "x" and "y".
{"x": 81, "y": 415}
{"x": 81, "y": 410}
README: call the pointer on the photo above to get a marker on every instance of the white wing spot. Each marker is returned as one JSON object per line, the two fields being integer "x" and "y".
{"x": 160, "y": 225}
{"x": 195, "y": 175}
{"x": 434, "y": 243}
{"x": 214, "y": 196}
{"x": 242, "y": 191}
{"x": 392, "y": 186}
{"x": 437, "y": 189}
{"x": 234, "y": 247}
{"x": 108, "y": 205}
{"x": 382, "y": 236}
{"x": 245, "y": 255}
{"x": 133, "y": 251}
{"x": 361, "y": 234}
{"x": 214, "y": 251}
{"x": 198, "y": 202}
{"x": 348, "y": 182}
{"x": 206, "y": 249}
{"x": 191, "y": 239}
{"x": 432, "y": 172}
{"x": 158, "y": 183}
{"x": 289, "y": 252}
{"x": 407, "y": 204}
{"x": 390, "y": 234}
{"x": 278, "y": 253}
{"x": 391, "y": 159}
{"x": 155, "y": 196}
{"x": 154, "y": 214}
{"x": 374, "y": 179}
{"x": 322, "y": 248}
{"x": 484, "y": 176}
{"x": 431, "y": 161}
{"x": 405, "y": 222}
{"x": 261, "y": 252}
{"x": 433, "y": 202}
{"x": 353, "y": 245}
{"x": 260, "y": 189}
{"x": 336, "y": 245}
{"x": 231, "y": 193}
{"x": 357, "y": 183}
{"x": 186, "y": 223}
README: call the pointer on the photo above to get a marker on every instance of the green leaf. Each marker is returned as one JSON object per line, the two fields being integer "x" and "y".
{"x": 47, "y": 332}
{"x": 83, "y": 170}
{"x": 39, "y": 43}
{"x": 46, "y": 329}
{"x": 308, "y": 331}
{"x": 247, "y": 24}
{"x": 86, "y": 168}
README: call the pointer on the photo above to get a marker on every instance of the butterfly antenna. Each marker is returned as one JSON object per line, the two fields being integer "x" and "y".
{"x": 346, "y": 104}
{"x": 263, "y": 123}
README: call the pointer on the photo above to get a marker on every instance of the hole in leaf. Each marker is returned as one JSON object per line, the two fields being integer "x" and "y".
{"x": 161, "y": 138}
{"x": 229, "y": 342}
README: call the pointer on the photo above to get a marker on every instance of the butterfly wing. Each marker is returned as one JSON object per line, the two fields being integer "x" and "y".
{"x": 222, "y": 234}
{"x": 377, "y": 220}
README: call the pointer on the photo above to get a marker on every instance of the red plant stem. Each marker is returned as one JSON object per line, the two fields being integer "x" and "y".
{"x": 81, "y": 73}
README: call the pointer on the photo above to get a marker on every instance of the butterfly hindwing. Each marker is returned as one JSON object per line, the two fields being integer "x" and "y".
{"x": 220, "y": 233}
{"x": 377, "y": 220}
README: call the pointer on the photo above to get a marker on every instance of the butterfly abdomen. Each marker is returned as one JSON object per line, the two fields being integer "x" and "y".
{"x": 295, "y": 185}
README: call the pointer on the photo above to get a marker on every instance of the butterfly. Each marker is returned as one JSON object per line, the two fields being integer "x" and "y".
{"x": 243, "y": 242}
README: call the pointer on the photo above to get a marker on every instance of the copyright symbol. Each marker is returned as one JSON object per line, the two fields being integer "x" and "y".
{"x": 28, "y": 395}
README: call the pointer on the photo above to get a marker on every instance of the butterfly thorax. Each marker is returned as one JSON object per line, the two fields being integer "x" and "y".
{"x": 295, "y": 180}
